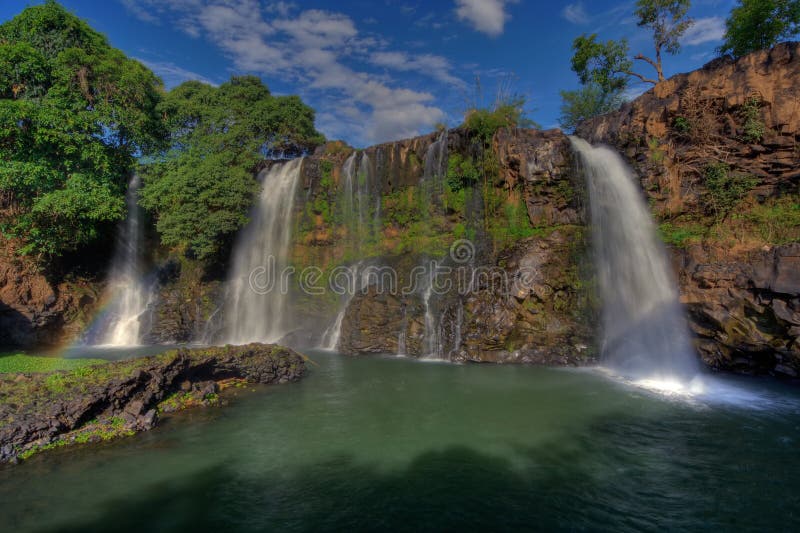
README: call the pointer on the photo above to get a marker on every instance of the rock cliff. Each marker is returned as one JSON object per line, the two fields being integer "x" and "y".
{"x": 738, "y": 267}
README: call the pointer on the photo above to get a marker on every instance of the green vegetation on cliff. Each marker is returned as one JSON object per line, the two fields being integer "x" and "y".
{"x": 606, "y": 67}
{"x": 759, "y": 24}
{"x": 201, "y": 188}
{"x": 73, "y": 114}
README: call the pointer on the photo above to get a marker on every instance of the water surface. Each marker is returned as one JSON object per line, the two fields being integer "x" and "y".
{"x": 377, "y": 443}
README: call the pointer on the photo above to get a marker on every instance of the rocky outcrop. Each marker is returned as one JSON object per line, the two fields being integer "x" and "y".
{"x": 42, "y": 411}
{"x": 741, "y": 291}
{"x": 186, "y": 305}
{"x": 526, "y": 301}
{"x": 35, "y": 310}
{"x": 742, "y": 112}
{"x": 745, "y": 313}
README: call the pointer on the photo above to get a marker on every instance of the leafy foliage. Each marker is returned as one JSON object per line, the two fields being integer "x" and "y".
{"x": 202, "y": 186}
{"x": 461, "y": 172}
{"x": 608, "y": 66}
{"x": 725, "y": 188}
{"x": 604, "y": 65}
{"x": 754, "y": 128}
{"x": 73, "y": 113}
{"x": 506, "y": 113}
{"x": 668, "y": 19}
{"x": 589, "y": 101}
{"x": 759, "y": 24}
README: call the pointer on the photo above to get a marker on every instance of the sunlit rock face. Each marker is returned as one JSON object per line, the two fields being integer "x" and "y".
{"x": 739, "y": 280}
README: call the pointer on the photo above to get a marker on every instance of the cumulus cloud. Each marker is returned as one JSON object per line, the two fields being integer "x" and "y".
{"x": 575, "y": 13}
{"x": 315, "y": 49}
{"x": 705, "y": 30}
{"x": 486, "y": 16}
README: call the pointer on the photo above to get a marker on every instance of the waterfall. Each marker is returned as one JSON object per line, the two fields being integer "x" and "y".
{"x": 130, "y": 293}
{"x": 644, "y": 331}
{"x": 256, "y": 303}
{"x": 433, "y": 174}
{"x": 330, "y": 339}
{"x": 432, "y": 344}
{"x": 436, "y": 158}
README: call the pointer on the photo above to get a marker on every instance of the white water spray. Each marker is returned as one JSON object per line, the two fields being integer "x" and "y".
{"x": 645, "y": 335}
{"x": 130, "y": 293}
{"x": 256, "y": 304}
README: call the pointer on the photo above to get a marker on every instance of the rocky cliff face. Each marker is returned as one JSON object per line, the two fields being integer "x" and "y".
{"x": 737, "y": 268}
{"x": 524, "y": 300}
{"x": 35, "y": 310}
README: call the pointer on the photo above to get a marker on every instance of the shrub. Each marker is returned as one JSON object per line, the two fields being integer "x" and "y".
{"x": 461, "y": 172}
{"x": 725, "y": 188}
{"x": 682, "y": 125}
{"x": 753, "y": 126}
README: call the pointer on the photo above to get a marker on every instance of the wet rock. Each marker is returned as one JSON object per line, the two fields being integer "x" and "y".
{"x": 33, "y": 415}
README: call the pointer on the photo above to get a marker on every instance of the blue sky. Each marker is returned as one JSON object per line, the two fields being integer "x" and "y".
{"x": 385, "y": 69}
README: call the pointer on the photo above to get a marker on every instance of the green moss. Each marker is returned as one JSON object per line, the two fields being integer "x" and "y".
{"x": 682, "y": 234}
{"x": 25, "y": 364}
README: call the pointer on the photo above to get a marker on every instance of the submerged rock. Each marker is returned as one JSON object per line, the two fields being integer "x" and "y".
{"x": 102, "y": 402}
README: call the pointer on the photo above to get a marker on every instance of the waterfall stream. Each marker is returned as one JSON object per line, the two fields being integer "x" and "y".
{"x": 256, "y": 303}
{"x": 355, "y": 282}
{"x": 130, "y": 293}
{"x": 645, "y": 335}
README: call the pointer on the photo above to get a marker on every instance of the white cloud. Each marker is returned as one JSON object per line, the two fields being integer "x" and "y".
{"x": 280, "y": 8}
{"x": 435, "y": 66}
{"x": 172, "y": 74}
{"x": 575, "y": 13}
{"x": 486, "y": 16}
{"x": 704, "y": 30}
{"x": 314, "y": 49}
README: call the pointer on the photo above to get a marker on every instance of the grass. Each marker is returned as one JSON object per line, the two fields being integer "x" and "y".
{"x": 29, "y": 364}
{"x": 750, "y": 225}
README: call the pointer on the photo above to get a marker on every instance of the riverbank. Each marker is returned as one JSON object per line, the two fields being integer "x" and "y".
{"x": 41, "y": 411}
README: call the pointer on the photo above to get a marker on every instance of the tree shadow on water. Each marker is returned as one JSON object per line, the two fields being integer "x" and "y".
{"x": 450, "y": 490}
{"x": 617, "y": 474}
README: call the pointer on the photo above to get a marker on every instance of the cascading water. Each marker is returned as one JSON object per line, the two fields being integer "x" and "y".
{"x": 432, "y": 344}
{"x": 434, "y": 171}
{"x": 256, "y": 302}
{"x": 645, "y": 333}
{"x": 130, "y": 293}
{"x": 330, "y": 339}
{"x": 436, "y": 158}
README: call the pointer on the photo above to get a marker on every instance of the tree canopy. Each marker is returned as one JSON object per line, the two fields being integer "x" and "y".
{"x": 605, "y": 68}
{"x": 202, "y": 186}
{"x": 668, "y": 20}
{"x": 73, "y": 113}
{"x": 589, "y": 101}
{"x": 759, "y": 24}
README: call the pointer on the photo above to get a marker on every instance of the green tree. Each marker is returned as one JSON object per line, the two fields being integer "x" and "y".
{"x": 202, "y": 186}
{"x": 589, "y": 101}
{"x": 604, "y": 64}
{"x": 608, "y": 64}
{"x": 759, "y": 24}
{"x": 669, "y": 20}
{"x": 73, "y": 114}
